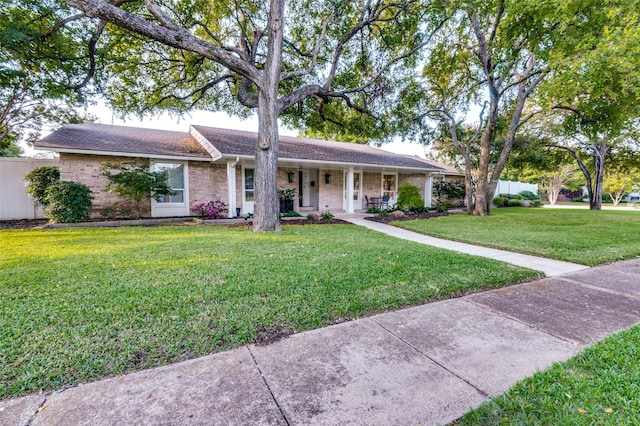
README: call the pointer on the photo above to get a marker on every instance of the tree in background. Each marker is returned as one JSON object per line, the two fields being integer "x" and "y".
{"x": 492, "y": 59}
{"x": 12, "y": 149}
{"x": 324, "y": 57}
{"x": 595, "y": 92}
{"x": 41, "y": 72}
{"x": 623, "y": 174}
{"x": 487, "y": 61}
{"x": 533, "y": 161}
{"x": 135, "y": 182}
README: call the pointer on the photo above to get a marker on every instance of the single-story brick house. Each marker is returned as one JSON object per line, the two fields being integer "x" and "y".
{"x": 208, "y": 164}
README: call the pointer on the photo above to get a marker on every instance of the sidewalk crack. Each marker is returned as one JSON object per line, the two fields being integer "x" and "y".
{"x": 480, "y": 391}
{"x": 264, "y": 380}
{"x": 40, "y": 408}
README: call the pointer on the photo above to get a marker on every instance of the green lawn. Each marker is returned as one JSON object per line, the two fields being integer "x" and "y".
{"x": 85, "y": 303}
{"x": 580, "y": 236}
{"x": 600, "y": 386}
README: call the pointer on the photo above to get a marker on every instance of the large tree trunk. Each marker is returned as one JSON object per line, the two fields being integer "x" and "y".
{"x": 481, "y": 207}
{"x": 595, "y": 198}
{"x": 265, "y": 209}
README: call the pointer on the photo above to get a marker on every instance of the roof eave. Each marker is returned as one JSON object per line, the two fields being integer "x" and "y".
{"x": 122, "y": 154}
{"x": 206, "y": 144}
{"x": 340, "y": 163}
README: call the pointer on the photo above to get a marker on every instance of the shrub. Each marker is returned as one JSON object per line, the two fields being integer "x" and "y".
{"x": 515, "y": 203}
{"x": 211, "y": 210}
{"x": 291, "y": 213}
{"x": 451, "y": 192}
{"x": 373, "y": 210}
{"x": 500, "y": 201}
{"x": 536, "y": 203}
{"x": 39, "y": 180}
{"x": 443, "y": 206}
{"x": 313, "y": 216}
{"x": 409, "y": 196}
{"x": 327, "y": 216}
{"x": 528, "y": 195}
{"x": 420, "y": 209}
{"x": 512, "y": 196}
{"x": 118, "y": 210}
{"x": 68, "y": 202}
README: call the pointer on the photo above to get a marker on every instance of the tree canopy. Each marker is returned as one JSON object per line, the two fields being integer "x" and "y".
{"x": 43, "y": 75}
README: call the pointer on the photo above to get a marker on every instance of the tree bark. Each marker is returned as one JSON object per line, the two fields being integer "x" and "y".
{"x": 595, "y": 197}
{"x": 266, "y": 178}
{"x": 481, "y": 207}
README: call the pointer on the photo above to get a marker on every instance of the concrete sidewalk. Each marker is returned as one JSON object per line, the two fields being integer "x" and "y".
{"x": 423, "y": 365}
{"x": 550, "y": 267}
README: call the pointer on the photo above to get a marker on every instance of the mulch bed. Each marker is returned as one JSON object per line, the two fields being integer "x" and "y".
{"x": 411, "y": 216}
{"x": 30, "y": 223}
{"x": 22, "y": 223}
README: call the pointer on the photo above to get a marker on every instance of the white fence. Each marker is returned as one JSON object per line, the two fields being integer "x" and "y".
{"x": 15, "y": 203}
{"x": 508, "y": 187}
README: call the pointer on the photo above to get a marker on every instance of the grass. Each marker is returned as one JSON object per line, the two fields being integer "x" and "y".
{"x": 85, "y": 303}
{"x": 580, "y": 236}
{"x": 600, "y": 386}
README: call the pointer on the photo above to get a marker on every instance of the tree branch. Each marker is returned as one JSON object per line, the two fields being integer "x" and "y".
{"x": 179, "y": 38}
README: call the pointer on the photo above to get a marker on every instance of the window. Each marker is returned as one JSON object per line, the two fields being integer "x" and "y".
{"x": 389, "y": 186}
{"x": 175, "y": 180}
{"x": 248, "y": 185}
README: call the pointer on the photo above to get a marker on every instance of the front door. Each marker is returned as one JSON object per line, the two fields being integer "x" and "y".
{"x": 308, "y": 187}
{"x": 248, "y": 190}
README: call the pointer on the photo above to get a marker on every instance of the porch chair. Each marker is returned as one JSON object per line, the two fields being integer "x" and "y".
{"x": 384, "y": 203}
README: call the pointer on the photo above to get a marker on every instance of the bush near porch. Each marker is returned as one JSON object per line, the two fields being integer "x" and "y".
{"x": 86, "y": 303}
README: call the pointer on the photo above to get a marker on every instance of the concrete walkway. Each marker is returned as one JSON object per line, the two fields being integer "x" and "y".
{"x": 423, "y": 365}
{"x": 550, "y": 267}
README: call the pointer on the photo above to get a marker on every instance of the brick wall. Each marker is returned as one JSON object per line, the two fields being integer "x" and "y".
{"x": 416, "y": 179}
{"x": 207, "y": 182}
{"x": 330, "y": 195}
{"x": 87, "y": 169}
{"x": 371, "y": 186}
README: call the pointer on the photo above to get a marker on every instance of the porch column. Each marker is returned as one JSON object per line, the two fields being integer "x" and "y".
{"x": 349, "y": 191}
{"x": 428, "y": 189}
{"x": 231, "y": 187}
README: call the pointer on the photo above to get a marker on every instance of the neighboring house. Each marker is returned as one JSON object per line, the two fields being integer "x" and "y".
{"x": 632, "y": 197}
{"x": 208, "y": 164}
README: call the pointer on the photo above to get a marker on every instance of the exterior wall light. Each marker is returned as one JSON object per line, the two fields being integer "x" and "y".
{"x": 290, "y": 177}
{"x": 327, "y": 178}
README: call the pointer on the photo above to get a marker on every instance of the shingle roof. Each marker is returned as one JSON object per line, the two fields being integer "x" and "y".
{"x": 95, "y": 138}
{"x": 123, "y": 139}
{"x": 237, "y": 142}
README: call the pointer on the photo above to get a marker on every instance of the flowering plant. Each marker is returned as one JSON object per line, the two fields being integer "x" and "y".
{"x": 211, "y": 210}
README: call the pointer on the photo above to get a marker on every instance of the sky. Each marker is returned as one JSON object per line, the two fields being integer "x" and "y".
{"x": 215, "y": 119}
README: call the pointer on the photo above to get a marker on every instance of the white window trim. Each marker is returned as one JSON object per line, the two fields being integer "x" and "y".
{"x": 172, "y": 209}
{"x": 247, "y": 206}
